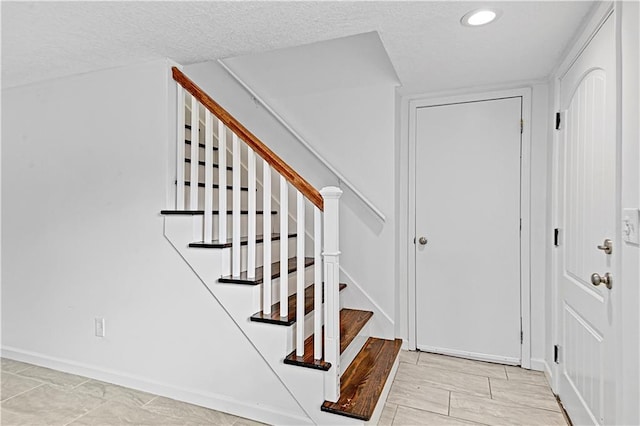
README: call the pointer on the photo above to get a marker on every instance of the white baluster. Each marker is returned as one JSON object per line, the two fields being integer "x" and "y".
{"x": 331, "y": 254}
{"x": 208, "y": 177}
{"x": 284, "y": 248}
{"x": 300, "y": 258}
{"x": 266, "y": 243}
{"x": 222, "y": 182}
{"x": 251, "y": 206}
{"x": 235, "y": 242}
{"x": 195, "y": 145}
{"x": 317, "y": 280}
{"x": 180, "y": 150}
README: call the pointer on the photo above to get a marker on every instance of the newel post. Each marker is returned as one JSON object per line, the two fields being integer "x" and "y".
{"x": 331, "y": 257}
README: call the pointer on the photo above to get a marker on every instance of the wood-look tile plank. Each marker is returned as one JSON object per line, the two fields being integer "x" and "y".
{"x": 362, "y": 384}
{"x": 492, "y": 412}
{"x": 468, "y": 366}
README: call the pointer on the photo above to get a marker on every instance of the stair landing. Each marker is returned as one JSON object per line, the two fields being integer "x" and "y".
{"x": 363, "y": 383}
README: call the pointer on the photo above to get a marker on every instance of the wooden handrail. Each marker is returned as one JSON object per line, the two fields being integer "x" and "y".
{"x": 250, "y": 139}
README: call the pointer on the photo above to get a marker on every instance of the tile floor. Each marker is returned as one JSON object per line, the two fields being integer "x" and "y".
{"x": 428, "y": 390}
{"x": 433, "y": 389}
{"x": 34, "y": 395}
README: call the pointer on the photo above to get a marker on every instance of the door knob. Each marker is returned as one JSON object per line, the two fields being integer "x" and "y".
{"x": 423, "y": 241}
{"x": 607, "y": 246}
{"x": 607, "y": 280}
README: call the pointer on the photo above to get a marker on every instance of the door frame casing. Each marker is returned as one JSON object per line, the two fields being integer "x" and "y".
{"x": 525, "y": 211}
{"x": 588, "y": 32}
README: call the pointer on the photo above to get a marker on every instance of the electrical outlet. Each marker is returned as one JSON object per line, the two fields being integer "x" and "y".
{"x": 99, "y": 323}
{"x": 630, "y": 223}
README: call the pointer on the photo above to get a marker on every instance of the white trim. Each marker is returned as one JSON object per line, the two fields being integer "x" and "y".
{"x": 311, "y": 149}
{"x": 383, "y": 325}
{"x": 470, "y": 355}
{"x": 271, "y": 415}
{"x": 525, "y": 195}
{"x": 538, "y": 364}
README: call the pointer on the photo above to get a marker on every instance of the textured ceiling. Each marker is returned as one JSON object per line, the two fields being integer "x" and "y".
{"x": 428, "y": 47}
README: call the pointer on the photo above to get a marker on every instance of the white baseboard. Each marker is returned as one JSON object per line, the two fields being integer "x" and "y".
{"x": 538, "y": 364}
{"x": 213, "y": 401}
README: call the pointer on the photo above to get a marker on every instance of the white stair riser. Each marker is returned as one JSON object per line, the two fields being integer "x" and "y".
{"x": 229, "y": 194}
{"x": 354, "y": 347}
{"x": 308, "y": 331}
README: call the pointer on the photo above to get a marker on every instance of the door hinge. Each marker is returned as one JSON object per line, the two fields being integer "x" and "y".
{"x": 558, "y": 121}
{"x": 556, "y": 354}
{"x": 556, "y": 237}
{"x": 521, "y": 126}
{"x": 521, "y": 332}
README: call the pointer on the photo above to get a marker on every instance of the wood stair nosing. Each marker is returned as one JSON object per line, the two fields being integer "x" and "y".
{"x": 215, "y": 186}
{"x": 275, "y": 272}
{"x": 202, "y": 163}
{"x": 200, "y": 145}
{"x": 243, "y": 241}
{"x": 290, "y": 319}
{"x": 351, "y": 322}
{"x": 201, "y": 212}
{"x": 363, "y": 382}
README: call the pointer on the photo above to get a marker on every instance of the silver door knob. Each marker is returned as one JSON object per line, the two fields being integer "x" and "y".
{"x": 607, "y": 280}
{"x": 607, "y": 246}
{"x": 423, "y": 241}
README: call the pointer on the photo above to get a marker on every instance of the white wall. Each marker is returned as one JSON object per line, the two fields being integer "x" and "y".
{"x": 84, "y": 171}
{"x": 351, "y": 123}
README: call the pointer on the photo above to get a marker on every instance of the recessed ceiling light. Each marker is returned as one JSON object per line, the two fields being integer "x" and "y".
{"x": 479, "y": 17}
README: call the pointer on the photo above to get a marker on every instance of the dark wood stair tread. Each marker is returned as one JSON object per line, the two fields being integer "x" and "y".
{"x": 243, "y": 241}
{"x": 275, "y": 272}
{"x": 362, "y": 384}
{"x": 202, "y": 163}
{"x": 275, "y": 318}
{"x": 200, "y": 145}
{"x": 215, "y": 185}
{"x": 201, "y": 212}
{"x": 351, "y": 322}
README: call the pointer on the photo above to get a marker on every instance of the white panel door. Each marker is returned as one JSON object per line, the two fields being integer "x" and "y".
{"x": 468, "y": 209}
{"x": 587, "y": 203}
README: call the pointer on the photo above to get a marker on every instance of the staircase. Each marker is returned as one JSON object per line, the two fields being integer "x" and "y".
{"x": 275, "y": 272}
